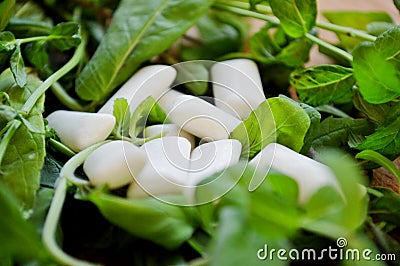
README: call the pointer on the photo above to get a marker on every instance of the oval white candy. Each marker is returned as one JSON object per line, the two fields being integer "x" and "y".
{"x": 79, "y": 130}
{"x": 168, "y": 130}
{"x": 115, "y": 164}
{"x": 165, "y": 172}
{"x": 152, "y": 81}
{"x": 237, "y": 86}
{"x": 202, "y": 119}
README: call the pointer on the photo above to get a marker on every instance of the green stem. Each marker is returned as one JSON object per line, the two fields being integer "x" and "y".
{"x": 68, "y": 170}
{"x": 7, "y": 137}
{"x": 61, "y": 148}
{"x": 30, "y": 103}
{"x": 245, "y": 12}
{"x": 51, "y": 224}
{"x": 32, "y": 39}
{"x": 248, "y": 13}
{"x": 323, "y": 25}
{"x": 66, "y": 99}
{"x": 330, "y": 47}
{"x": 346, "y": 30}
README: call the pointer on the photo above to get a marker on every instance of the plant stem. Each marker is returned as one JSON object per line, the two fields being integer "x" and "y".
{"x": 7, "y": 137}
{"x": 355, "y": 33}
{"x": 51, "y": 224}
{"x": 330, "y": 47}
{"x": 68, "y": 170}
{"x": 246, "y": 12}
{"x": 53, "y": 78}
{"x": 61, "y": 147}
{"x": 238, "y": 9}
{"x": 66, "y": 99}
{"x": 351, "y": 32}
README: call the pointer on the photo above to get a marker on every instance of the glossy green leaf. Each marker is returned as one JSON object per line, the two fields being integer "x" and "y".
{"x": 291, "y": 121}
{"x": 346, "y": 18}
{"x": 323, "y": 84}
{"x": 165, "y": 224}
{"x": 220, "y": 33}
{"x": 335, "y": 132}
{"x": 315, "y": 118}
{"x": 122, "y": 116}
{"x": 374, "y": 112}
{"x": 381, "y": 160}
{"x": 386, "y": 139}
{"x": 297, "y": 16}
{"x": 18, "y": 240}
{"x": 36, "y": 54}
{"x": 296, "y": 53}
{"x": 386, "y": 207}
{"x": 263, "y": 47}
{"x": 24, "y": 157}
{"x": 7, "y": 114}
{"x": 17, "y": 67}
{"x": 256, "y": 131}
{"x": 193, "y": 75}
{"x": 6, "y": 11}
{"x": 148, "y": 111}
{"x": 65, "y": 36}
{"x": 387, "y": 44}
{"x": 143, "y": 29}
{"x": 277, "y": 119}
{"x": 7, "y": 46}
{"x": 377, "y": 28}
{"x": 377, "y": 78}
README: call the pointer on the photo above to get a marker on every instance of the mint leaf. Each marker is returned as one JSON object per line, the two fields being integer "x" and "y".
{"x": 193, "y": 75}
{"x": 386, "y": 139}
{"x": 148, "y": 218}
{"x": 386, "y": 207}
{"x": 377, "y": 78}
{"x": 24, "y": 157}
{"x": 297, "y": 16}
{"x": 6, "y": 12}
{"x": 17, "y": 67}
{"x": 323, "y": 84}
{"x": 148, "y": 111}
{"x": 256, "y": 131}
{"x": 18, "y": 240}
{"x": 374, "y": 112}
{"x": 275, "y": 120}
{"x": 122, "y": 116}
{"x": 336, "y": 132}
{"x": 64, "y": 36}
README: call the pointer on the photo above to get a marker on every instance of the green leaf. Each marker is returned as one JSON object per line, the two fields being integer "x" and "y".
{"x": 291, "y": 121}
{"x": 18, "y": 67}
{"x": 397, "y": 4}
{"x": 143, "y": 29}
{"x": 346, "y": 18}
{"x": 256, "y": 131}
{"x": 18, "y": 240}
{"x": 374, "y": 112}
{"x": 194, "y": 75}
{"x": 315, "y": 118}
{"x": 277, "y": 119}
{"x": 267, "y": 50}
{"x": 387, "y": 44}
{"x": 263, "y": 47}
{"x": 330, "y": 213}
{"x": 24, "y": 157}
{"x": 36, "y": 54}
{"x": 6, "y": 12}
{"x": 7, "y": 114}
{"x": 381, "y": 160}
{"x": 323, "y": 84}
{"x": 148, "y": 111}
{"x": 386, "y": 207}
{"x": 122, "y": 116}
{"x": 162, "y": 223}
{"x": 386, "y": 139}
{"x": 65, "y": 36}
{"x": 297, "y": 16}
{"x": 220, "y": 33}
{"x": 335, "y": 132}
{"x": 377, "y": 78}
